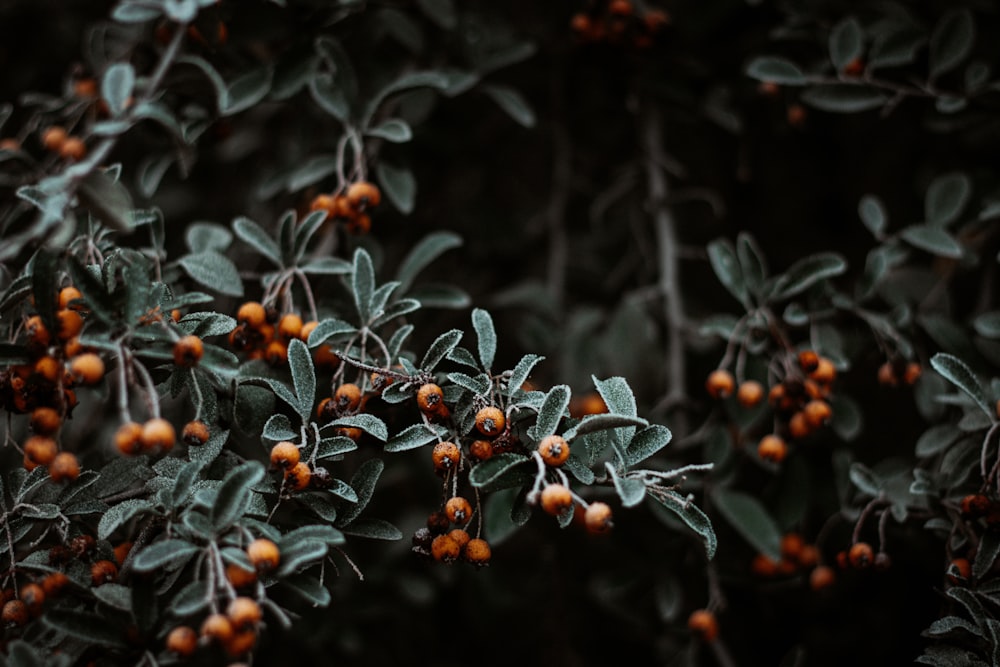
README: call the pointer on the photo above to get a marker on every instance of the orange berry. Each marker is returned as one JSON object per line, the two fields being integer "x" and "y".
{"x": 48, "y": 369}
{"x": 252, "y": 314}
{"x": 45, "y": 420}
{"x": 54, "y": 137}
{"x": 276, "y": 353}
{"x": 792, "y": 545}
{"x": 772, "y": 448}
{"x": 656, "y": 20}
{"x": 195, "y": 433}
{"x": 446, "y": 456}
{"x": 36, "y": 331}
{"x": 703, "y": 623}
{"x": 183, "y": 641}
{"x": 808, "y": 360}
{"x": 347, "y": 398}
{"x": 324, "y": 357}
{"x": 477, "y": 552}
{"x": 822, "y": 577}
{"x": 817, "y": 413}
{"x": 825, "y": 372}
{"x": 307, "y": 329}
{"x": 188, "y": 351}
{"x": 240, "y": 643}
{"x": 244, "y": 612}
{"x": 128, "y": 438}
{"x": 809, "y": 555}
{"x": 350, "y": 432}
{"x": 556, "y": 499}
{"x": 750, "y": 393}
{"x": 554, "y": 450}
{"x": 974, "y": 505}
{"x": 121, "y": 552}
{"x": 64, "y": 468}
{"x": 480, "y": 450}
{"x": 860, "y": 555}
{"x": 798, "y": 426}
{"x": 10, "y": 144}
{"x": 887, "y": 375}
{"x": 960, "y": 566}
{"x": 580, "y": 24}
{"x": 854, "y": 68}
{"x": 776, "y": 395}
{"x": 87, "y": 368}
{"x": 41, "y": 449}
{"x": 620, "y": 8}
{"x": 285, "y": 455}
{"x": 720, "y": 383}
{"x": 14, "y": 614}
{"x": 103, "y": 572}
{"x": 458, "y": 510}
{"x": 362, "y": 195}
{"x": 490, "y": 421}
{"x": 239, "y": 577}
{"x": 763, "y": 565}
{"x": 217, "y": 627}
{"x": 263, "y": 554}
{"x": 54, "y": 582}
{"x": 85, "y": 87}
{"x": 322, "y": 202}
{"x": 298, "y": 476}
{"x": 460, "y": 536}
{"x": 796, "y": 115}
{"x": 73, "y": 148}
{"x": 429, "y": 397}
{"x": 912, "y": 373}
{"x": 67, "y": 295}
{"x": 33, "y": 597}
{"x": 158, "y": 433}
{"x": 445, "y": 549}
{"x": 290, "y": 326}
{"x": 597, "y": 518}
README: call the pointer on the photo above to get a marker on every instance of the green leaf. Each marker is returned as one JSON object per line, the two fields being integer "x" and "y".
{"x": 309, "y": 589}
{"x": 370, "y": 424}
{"x": 726, "y": 265}
{"x": 752, "y": 263}
{"x": 317, "y": 532}
{"x": 214, "y": 271}
{"x": 934, "y": 240}
{"x": 955, "y": 371}
{"x": 422, "y": 254}
{"x": 412, "y": 437}
{"x": 394, "y": 130}
{"x": 373, "y": 529}
{"x": 631, "y": 491}
{"x": 116, "y": 87}
{"x": 408, "y": 81}
{"x": 618, "y": 396}
{"x": 117, "y": 515}
{"x": 552, "y": 411}
{"x": 329, "y": 328}
{"x": 646, "y": 442}
{"x": 437, "y": 295}
{"x": 601, "y": 422}
{"x": 329, "y": 96}
{"x": 234, "y": 494}
{"x": 492, "y": 469}
{"x": 303, "y": 377}
{"x": 987, "y": 325}
{"x": 311, "y": 171}
{"x": 951, "y": 41}
{"x": 936, "y": 439}
{"x": 522, "y": 370}
{"x": 486, "y": 337}
{"x": 845, "y": 42}
{"x": 299, "y": 553}
{"x": 947, "y": 196}
{"x": 326, "y": 266}
{"x": 691, "y": 515}
{"x": 254, "y": 235}
{"x": 164, "y": 554}
{"x": 807, "y": 272}
{"x": 304, "y": 233}
{"x": 897, "y": 48}
{"x": 363, "y": 482}
{"x": 247, "y": 90}
{"x": 107, "y": 199}
{"x": 986, "y": 555}
{"x": 363, "y": 283}
{"x": 85, "y": 626}
{"x": 513, "y": 104}
{"x": 186, "y": 478}
{"x": 201, "y": 236}
{"x": 844, "y": 98}
{"x": 873, "y": 214}
{"x": 439, "y": 349}
{"x": 771, "y": 69}
{"x": 221, "y": 90}
{"x": 399, "y": 186}
{"x": 750, "y": 519}
{"x": 865, "y": 480}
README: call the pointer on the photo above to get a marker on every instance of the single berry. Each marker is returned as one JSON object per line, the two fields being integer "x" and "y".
{"x": 244, "y": 612}
{"x": 772, "y": 448}
{"x": 825, "y": 372}
{"x": 458, "y": 510}
{"x": 975, "y": 505}
{"x": 121, "y": 552}
{"x": 959, "y": 571}
{"x": 128, "y": 438}
{"x": 887, "y": 375}
{"x": 14, "y": 614}
{"x": 597, "y": 518}
{"x": 556, "y": 499}
{"x": 490, "y": 421}
{"x": 41, "y": 449}
{"x": 217, "y": 627}
{"x": 446, "y": 456}
{"x": 239, "y": 577}
{"x": 861, "y": 555}
{"x": 252, "y": 314}
{"x": 750, "y": 393}
{"x": 298, "y": 476}
{"x": 73, "y": 149}
{"x": 798, "y": 426}
{"x": 54, "y": 582}
{"x": 912, "y": 373}
{"x": 808, "y": 361}
{"x": 554, "y": 450}
{"x": 240, "y": 643}
{"x": 720, "y": 383}
{"x": 276, "y": 353}
{"x": 362, "y": 194}
{"x": 429, "y": 397}
{"x": 438, "y": 523}
{"x": 822, "y": 577}
{"x": 64, "y": 468}
{"x": 67, "y": 295}
{"x": 87, "y": 368}
{"x": 188, "y": 351}
{"x": 817, "y": 413}
{"x": 347, "y": 398}
{"x": 33, "y": 597}
{"x": 264, "y": 554}
{"x": 445, "y": 549}
{"x": 45, "y": 421}
{"x": 285, "y": 455}
{"x": 791, "y": 545}
{"x": 54, "y": 137}
{"x": 763, "y": 565}
{"x": 477, "y": 552}
{"x": 703, "y": 623}
{"x": 290, "y": 326}
{"x": 460, "y": 535}
{"x": 158, "y": 433}
{"x": 182, "y": 641}
{"x": 195, "y": 433}
{"x": 103, "y": 572}
{"x": 480, "y": 450}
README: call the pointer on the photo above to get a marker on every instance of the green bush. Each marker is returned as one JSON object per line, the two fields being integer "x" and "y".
{"x": 682, "y": 319}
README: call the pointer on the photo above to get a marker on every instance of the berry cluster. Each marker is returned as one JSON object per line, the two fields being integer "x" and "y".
{"x": 350, "y": 205}
{"x": 618, "y": 22}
